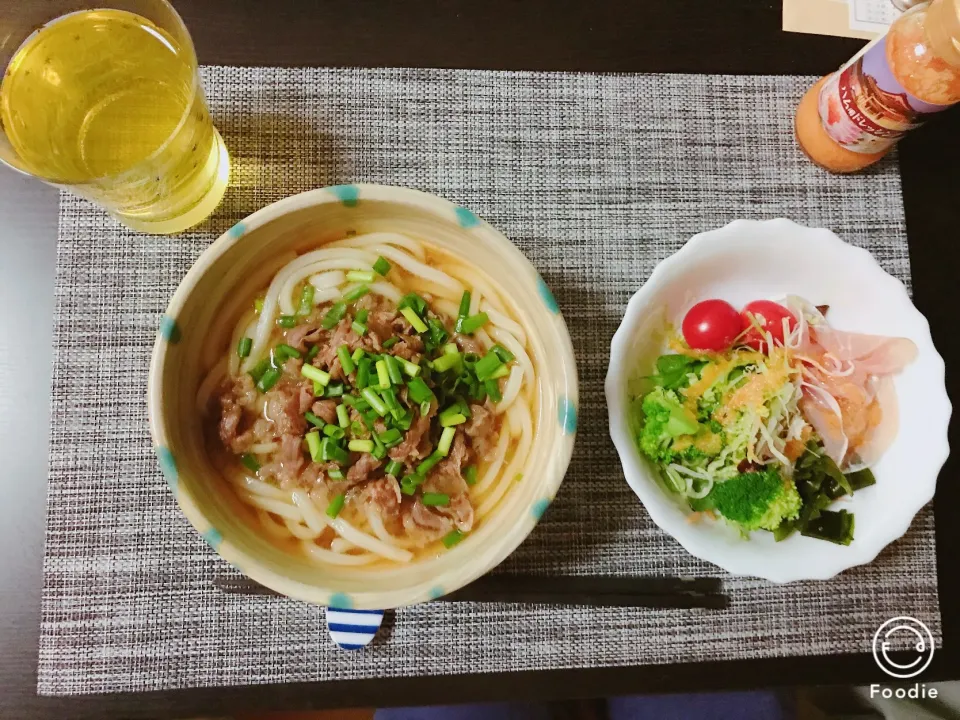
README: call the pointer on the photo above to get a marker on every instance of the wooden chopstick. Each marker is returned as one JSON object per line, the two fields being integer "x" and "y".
{"x": 598, "y": 591}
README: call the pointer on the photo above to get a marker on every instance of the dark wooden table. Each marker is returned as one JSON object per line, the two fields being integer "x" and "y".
{"x": 729, "y": 36}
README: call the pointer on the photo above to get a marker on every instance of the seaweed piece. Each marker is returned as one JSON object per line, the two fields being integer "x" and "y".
{"x": 832, "y": 526}
{"x": 819, "y": 482}
{"x": 861, "y": 479}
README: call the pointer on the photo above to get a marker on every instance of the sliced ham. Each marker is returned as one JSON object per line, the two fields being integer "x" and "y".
{"x": 871, "y": 354}
{"x": 843, "y": 375}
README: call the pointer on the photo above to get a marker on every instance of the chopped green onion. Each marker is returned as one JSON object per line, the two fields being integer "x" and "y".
{"x": 361, "y": 276}
{"x": 502, "y": 353}
{"x": 343, "y": 417}
{"x": 464, "y": 308}
{"x": 359, "y": 328}
{"x": 390, "y": 342}
{"x": 334, "y": 315}
{"x": 268, "y": 379}
{"x": 258, "y": 305}
{"x": 379, "y": 451}
{"x": 419, "y": 391}
{"x": 448, "y": 362}
{"x": 313, "y": 445}
{"x": 492, "y": 388}
{"x": 363, "y": 373}
{"x": 306, "y": 300}
{"x": 446, "y": 440}
{"x": 312, "y": 353}
{"x": 470, "y": 358}
{"x": 334, "y": 390}
{"x": 393, "y": 467}
{"x": 243, "y": 347}
{"x": 486, "y": 366}
{"x": 316, "y": 374}
{"x": 410, "y": 368}
{"x": 333, "y": 431}
{"x": 318, "y": 389}
{"x": 518, "y": 477}
{"x": 393, "y": 370}
{"x": 375, "y": 402}
{"x": 425, "y": 408}
{"x": 390, "y": 398}
{"x": 473, "y": 323}
{"x": 449, "y": 419}
{"x": 409, "y": 484}
{"x": 412, "y": 300}
{"x": 383, "y": 375}
{"x": 391, "y": 437}
{"x": 287, "y": 351}
{"x": 362, "y": 315}
{"x": 250, "y": 462}
{"x": 500, "y": 372}
{"x": 336, "y": 505}
{"x": 451, "y": 349}
{"x": 346, "y": 361}
{"x": 438, "y": 334}
{"x": 470, "y": 474}
{"x": 452, "y": 538}
{"x": 427, "y": 465}
{"x": 287, "y": 321}
{"x": 350, "y": 400}
{"x": 356, "y": 293}
{"x": 404, "y": 421}
{"x": 414, "y": 319}
{"x": 381, "y": 266}
{"x": 335, "y": 473}
{"x": 314, "y": 420}
{"x": 330, "y": 451}
{"x": 357, "y": 354}
{"x": 360, "y": 446}
{"x": 435, "y": 499}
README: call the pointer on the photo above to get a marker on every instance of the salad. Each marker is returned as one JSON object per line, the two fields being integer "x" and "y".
{"x": 765, "y": 417}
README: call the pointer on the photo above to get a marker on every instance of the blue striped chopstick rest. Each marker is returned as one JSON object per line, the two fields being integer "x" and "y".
{"x": 353, "y": 629}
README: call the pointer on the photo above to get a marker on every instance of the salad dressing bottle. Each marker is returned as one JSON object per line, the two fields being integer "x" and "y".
{"x": 852, "y": 118}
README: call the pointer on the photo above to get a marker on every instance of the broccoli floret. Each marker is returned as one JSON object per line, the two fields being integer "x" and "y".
{"x": 692, "y": 454}
{"x": 757, "y": 500}
{"x": 664, "y": 419}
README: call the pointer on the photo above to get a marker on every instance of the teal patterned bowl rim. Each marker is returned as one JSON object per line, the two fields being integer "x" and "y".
{"x": 170, "y": 335}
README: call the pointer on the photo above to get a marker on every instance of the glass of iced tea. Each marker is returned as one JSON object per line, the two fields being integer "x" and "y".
{"x": 104, "y": 98}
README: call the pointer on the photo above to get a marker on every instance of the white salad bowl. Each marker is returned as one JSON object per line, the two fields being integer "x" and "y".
{"x": 749, "y": 260}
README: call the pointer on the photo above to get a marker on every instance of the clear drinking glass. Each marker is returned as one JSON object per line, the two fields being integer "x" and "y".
{"x": 104, "y": 98}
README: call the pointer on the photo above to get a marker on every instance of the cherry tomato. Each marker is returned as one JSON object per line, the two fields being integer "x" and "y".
{"x": 769, "y": 316}
{"x": 711, "y": 325}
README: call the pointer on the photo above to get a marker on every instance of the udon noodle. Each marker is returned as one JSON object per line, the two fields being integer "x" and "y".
{"x": 376, "y": 402}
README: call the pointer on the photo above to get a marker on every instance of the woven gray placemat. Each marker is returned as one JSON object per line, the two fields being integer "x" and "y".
{"x": 596, "y": 178}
